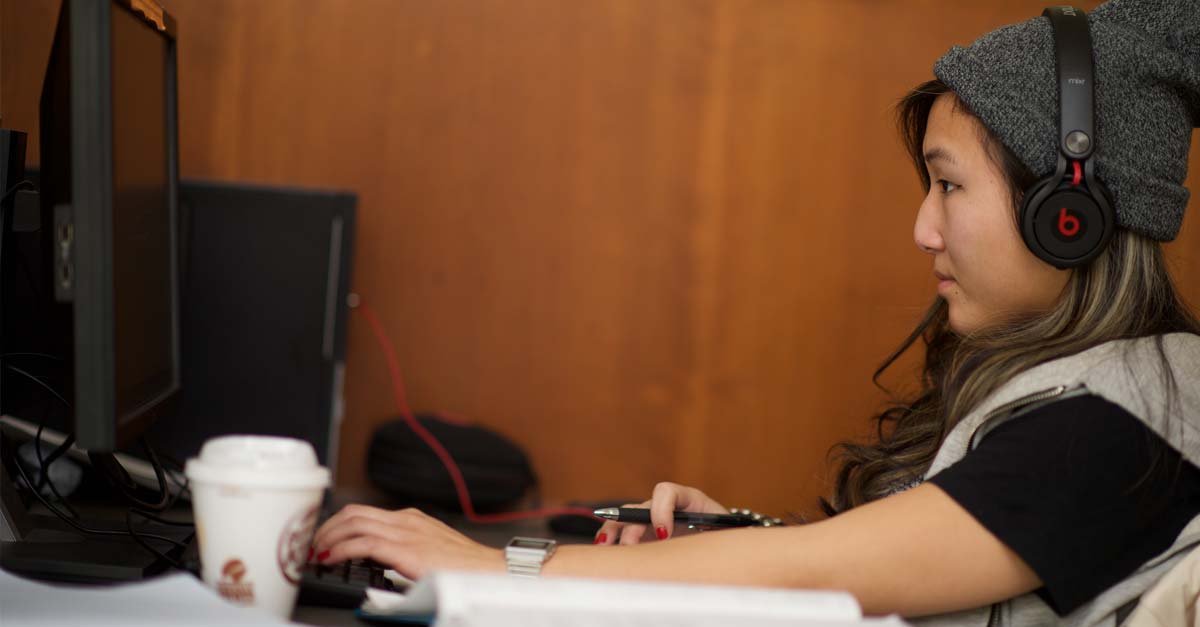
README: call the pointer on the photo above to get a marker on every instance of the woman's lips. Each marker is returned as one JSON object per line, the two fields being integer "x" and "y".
{"x": 944, "y": 282}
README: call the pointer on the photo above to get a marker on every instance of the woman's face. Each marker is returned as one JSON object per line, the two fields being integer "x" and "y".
{"x": 983, "y": 268}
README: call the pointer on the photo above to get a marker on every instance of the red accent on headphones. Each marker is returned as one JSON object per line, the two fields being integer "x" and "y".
{"x": 1068, "y": 224}
{"x": 1078, "y": 174}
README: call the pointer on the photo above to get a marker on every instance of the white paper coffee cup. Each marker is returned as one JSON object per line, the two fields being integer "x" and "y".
{"x": 255, "y": 500}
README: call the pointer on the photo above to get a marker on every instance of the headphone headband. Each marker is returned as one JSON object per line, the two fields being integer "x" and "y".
{"x": 1073, "y": 52}
{"x": 1066, "y": 218}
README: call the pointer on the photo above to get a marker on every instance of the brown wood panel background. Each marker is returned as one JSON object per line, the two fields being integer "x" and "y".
{"x": 645, "y": 239}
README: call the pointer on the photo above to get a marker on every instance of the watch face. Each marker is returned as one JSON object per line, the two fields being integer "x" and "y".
{"x": 529, "y": 543}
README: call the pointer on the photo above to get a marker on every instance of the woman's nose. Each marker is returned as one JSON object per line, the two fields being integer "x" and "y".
{"x": 927, "y": 231}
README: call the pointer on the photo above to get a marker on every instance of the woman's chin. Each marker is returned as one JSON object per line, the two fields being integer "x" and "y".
{"x": 961, "y": 322}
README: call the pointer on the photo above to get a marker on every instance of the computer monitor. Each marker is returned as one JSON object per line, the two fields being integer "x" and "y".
{"x": 109, "y": 187}
{"x": 91, "y": 322}
{"x": 264, "y": 282}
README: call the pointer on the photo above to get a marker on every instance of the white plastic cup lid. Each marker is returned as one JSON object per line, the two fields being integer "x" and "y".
{"x": 258, "y": 461}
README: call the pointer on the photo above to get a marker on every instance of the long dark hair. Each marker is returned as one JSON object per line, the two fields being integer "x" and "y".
{"x": 1126, "y": 292}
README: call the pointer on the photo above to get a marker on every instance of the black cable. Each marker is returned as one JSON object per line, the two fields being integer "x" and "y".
{"x": 78, "y": 527}
{"x": 23, "y": 354}
{"x": 61, "y": 449}
{"x": 160, "y": 519}
{"x": 116, "y": 474}
{"x": 160, "y": 474}
{"x": 39, "y": 382}
{"x": 44, "y": 463}
{"x": 137, "y": 538}
{"x": 44, "y": 469}
{"x": 37, "y": 450}
{"x": 183, "y": 487}
{"x": 173, "y": 475}
{"x": 103, "y": 461}
{"x": 15, "y": 188}
{"x": 164, "y": 502}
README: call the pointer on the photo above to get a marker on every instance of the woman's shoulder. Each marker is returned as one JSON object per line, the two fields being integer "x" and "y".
{"x": 1143, "y": 357}
{"x": 1155, "y": 378}
{"x": 1139, "y": 358}
{"x": 1129, "y": 373}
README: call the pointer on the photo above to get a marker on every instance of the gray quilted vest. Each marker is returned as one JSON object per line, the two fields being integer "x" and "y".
{"x": 1127, "y": 373}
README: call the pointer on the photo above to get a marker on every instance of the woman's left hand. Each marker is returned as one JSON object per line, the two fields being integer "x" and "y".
{"x": 407, "y": 540}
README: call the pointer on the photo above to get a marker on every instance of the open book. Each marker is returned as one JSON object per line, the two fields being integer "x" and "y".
{"x": 474, "y": 599}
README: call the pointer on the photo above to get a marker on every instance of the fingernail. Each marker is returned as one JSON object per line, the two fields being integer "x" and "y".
{"x": 600, "y": 538}
{"x": 661, "y": 532}
{"x": 310, "y": 553}
{"x": 323, "y": 555}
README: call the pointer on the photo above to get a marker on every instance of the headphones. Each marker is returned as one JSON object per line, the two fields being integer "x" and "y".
{"x": 1064, "y": 223}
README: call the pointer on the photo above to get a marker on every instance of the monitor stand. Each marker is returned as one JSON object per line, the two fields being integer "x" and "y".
{"x": 38, "y": 545}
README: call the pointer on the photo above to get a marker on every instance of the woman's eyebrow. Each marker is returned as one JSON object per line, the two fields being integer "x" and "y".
{"x": 939, "y": 154}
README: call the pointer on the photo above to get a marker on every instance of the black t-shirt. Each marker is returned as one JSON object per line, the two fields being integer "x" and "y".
{"x": 1081, "y": 490}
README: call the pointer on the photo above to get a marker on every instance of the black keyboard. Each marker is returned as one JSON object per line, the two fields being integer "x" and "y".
{"x": 342, "y": 585}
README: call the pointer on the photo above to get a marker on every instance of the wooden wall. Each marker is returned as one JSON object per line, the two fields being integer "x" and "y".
{"x": 646, "y": 239}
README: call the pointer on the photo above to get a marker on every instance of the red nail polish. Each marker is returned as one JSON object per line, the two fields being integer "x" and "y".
{"x": 310, "y": 553}
{"x": 661, "y": 532}
{"x": 323, "y": 555}
{"x": 600, "y": 538}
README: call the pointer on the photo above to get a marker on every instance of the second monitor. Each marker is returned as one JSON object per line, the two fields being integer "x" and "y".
{"x": 264, "y": 281}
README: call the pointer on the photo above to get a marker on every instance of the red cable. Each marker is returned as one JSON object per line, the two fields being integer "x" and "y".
{"x": 460, "y": 485}
{"x": 1078, "y": 175}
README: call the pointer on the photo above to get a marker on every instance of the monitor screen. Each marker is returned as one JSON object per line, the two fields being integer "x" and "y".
{"x": 141, "y": 216}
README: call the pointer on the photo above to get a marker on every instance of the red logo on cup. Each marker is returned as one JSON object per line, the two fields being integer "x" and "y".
{"x": 294, "y": 542}
{"x": 1068, "y": 225}
{"x": 230, "y": 585}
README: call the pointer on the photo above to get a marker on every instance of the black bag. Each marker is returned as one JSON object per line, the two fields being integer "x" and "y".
{"x": 496, "y": 470}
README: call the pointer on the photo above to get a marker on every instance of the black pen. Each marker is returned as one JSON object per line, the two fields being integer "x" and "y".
{"x": 641, "y": 515}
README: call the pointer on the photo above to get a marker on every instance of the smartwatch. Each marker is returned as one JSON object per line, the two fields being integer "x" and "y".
{"x": 525, "y": 556}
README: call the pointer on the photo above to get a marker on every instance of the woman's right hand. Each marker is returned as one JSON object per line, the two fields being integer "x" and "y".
{"x": 667, "y": 498}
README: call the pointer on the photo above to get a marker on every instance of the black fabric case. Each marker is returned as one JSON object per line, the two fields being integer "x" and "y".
{"x": 496, "y": 470}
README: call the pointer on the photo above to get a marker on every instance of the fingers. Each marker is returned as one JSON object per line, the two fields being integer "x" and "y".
{"x": 662, "y": 508}
{"x": 667, "y": 499}
{"x": 608, "y": 533}
{"x": 355, "y": 527}
{"x": 690, "y": 499}
{"x": 613, "y": 532}
{"x": 408, "y": 541}
{"x": 354, "y": 517}
{"x": 632, "y": 534}
{"x": 374, "y": 548}
{"x": 346, "y": 512}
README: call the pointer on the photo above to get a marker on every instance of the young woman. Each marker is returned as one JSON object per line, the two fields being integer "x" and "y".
{"x": 1047, "y": 471}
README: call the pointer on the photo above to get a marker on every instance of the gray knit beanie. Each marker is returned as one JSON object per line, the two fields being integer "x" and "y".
{"x": 1147, "y": 69}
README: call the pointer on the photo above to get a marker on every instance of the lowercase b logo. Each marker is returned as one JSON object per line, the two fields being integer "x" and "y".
{"x": 1068, "y": 225}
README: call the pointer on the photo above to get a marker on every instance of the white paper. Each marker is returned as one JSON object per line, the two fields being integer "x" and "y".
{"x": 617, "y": 618}
{"x": 470, "y": 599}
{"x": 170, "y": 600}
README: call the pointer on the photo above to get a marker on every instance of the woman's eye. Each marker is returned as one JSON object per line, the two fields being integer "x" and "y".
{"x": 946, "y": 186}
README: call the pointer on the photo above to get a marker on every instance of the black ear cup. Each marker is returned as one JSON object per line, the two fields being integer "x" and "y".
{"x": 1064, "y": 224}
